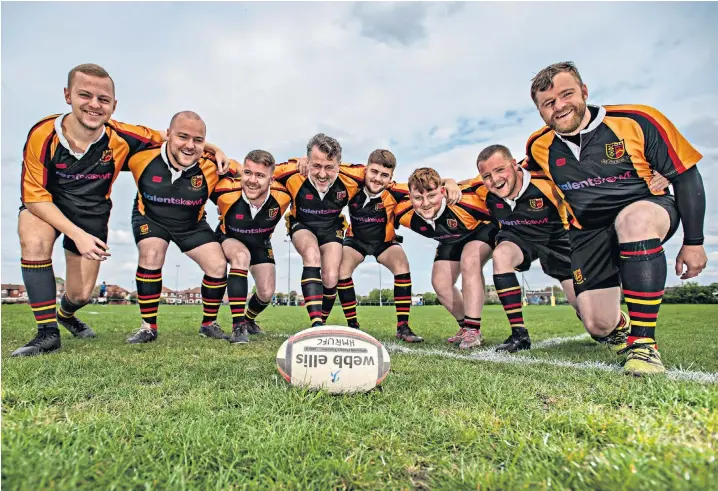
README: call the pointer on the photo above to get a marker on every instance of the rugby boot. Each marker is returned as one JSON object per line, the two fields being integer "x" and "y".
{"x": 78, "y": 328}
{"x": 404, "y": 332}
{"x": 643, "y": 358}
{"x": 472, "y": 339}
{"x": 43, "y": 342}
{"x": 456, "y": 338}
{"x": 240, "y": 334}
{"x": 144, "y": 334}
{"x": 212, "y": 330}
{"x": 617, "y": 340}
{"x": 518, "y": 341}
{"x": 254, "y": 328}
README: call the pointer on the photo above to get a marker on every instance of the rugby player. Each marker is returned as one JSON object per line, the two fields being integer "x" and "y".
{"x": 315, "y": 223}
{"x": 174, "y": 182}
{"x": 601, "y": 159}
{"x": 249, "y": 211}
{"x": 466, "y": 234}
{"x": 70, "y": 162}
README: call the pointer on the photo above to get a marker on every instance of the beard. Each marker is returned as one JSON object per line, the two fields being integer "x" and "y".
{"x": 567, "y": 126}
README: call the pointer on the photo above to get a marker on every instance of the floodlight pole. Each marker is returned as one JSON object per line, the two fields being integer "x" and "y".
{"x": 380, "y": 301}
{"x": 289, "y": 269}
{"x": 177, "y": 280}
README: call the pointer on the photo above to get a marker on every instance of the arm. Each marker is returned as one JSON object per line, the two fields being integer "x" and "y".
{"x": 453, "y": 191}
{"x": 691, "y": 203}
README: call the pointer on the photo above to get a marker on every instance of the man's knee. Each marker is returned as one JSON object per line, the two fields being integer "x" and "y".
{"x": 216, "y": 267}
{"x": 599, "y": 325}
{"x": 330, "y": 278}
{"x": 36, "y": 245}
{"x": 152, "y": 258}
{"x": 311, "y": 257}
{"x": 265, "y": 292}
{"x": 239, "y": 259}
{"x": 641, "y": 222}
{"x": 504, "y": 259}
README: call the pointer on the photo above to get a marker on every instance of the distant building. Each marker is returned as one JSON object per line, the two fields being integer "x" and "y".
{"x": 13, "y": 293}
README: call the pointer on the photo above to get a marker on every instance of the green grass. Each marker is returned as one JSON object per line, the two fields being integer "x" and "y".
{"x": 192, "y": 413}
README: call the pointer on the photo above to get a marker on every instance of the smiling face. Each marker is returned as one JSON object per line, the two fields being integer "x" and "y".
{"x": 377, "y": 177}
{"x": 256, "y": 179}
{"x": 92, "y": 99}
{"x": 186, "y": 139}
{"x": 426, "y": 192}
{"x": 501, "y": 175}
{"x": 323, "y": 170}
{"x": 563, "y": 105}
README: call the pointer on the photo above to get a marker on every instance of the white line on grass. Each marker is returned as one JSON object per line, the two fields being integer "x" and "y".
{"x": 492, "y": 356}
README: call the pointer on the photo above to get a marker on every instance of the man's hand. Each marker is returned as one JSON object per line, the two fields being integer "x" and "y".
{"x": 90, "y": 247}
{"x": 694, "y": 258}
{"x": 222, "y": 162}
{"x": 303, "y": 166}
{"x": 658, "y": 182}
{"x": 453, "y": 191}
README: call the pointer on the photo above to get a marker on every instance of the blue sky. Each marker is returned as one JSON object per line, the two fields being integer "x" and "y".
{"x": 435, "y": 83}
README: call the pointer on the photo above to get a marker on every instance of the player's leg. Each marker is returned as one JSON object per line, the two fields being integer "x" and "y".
{"x": 444, "y": 274}
{"x": 642, "y": 228}
{"x": 210, "y": 257}
{"x": 474, "y": 256}
{"x": 80, "y": 279}
{"x": 305, "y": 242}
{"x": 239, "y": 259}
{"x": 395, "y": 259}
{"x": 36, "y": 241}
{"x": 331, "y": 257}
{"x": 570, "y": 293}
{"x": 265, "y": 277}
{"x": 152, "y": 252}
{"x": 351, "y": 258}
{"x": 507, "y": 257}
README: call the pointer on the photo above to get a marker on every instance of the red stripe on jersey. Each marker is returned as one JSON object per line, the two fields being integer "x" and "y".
{"x": 671, "y": 151}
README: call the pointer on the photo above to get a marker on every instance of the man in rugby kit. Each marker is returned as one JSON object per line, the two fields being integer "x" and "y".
{"x": 174, "y": 182}
{"x": 249, "y": 212}
{"x": 466, "y": 234}
{"x": 601, "y": 159}
{"x": 70, "y": 162}
{"x": 315, "y": 223}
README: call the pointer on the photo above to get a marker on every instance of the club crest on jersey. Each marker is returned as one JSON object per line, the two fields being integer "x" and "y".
{"x": 273, "y": 213}
{"x": 340, "y": 234}
{"x": 379, "y": 206}
{"x": 536, "y": 203}
{"x": 144, "y": 229}
{"x": 452, "y": 223}
{"x": 197, "y": 181}
{"x": 578, "y": 276}
{"x": 615, "y": 150}
{"x": 341, "y": 194}
{"x": 270, "y": 253}
{"x": 106, "y": 156}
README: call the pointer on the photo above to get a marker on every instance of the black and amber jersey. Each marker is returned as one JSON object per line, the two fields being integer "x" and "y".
{"x": 372, "y": 219}
{"x": 308, "y": 207}
{"x": 453, "y": 225}
{"x": 176, "y": 205}
{"x": 78, "y": 186}
{"x": 539, "y": 214}
{"x": 611, "y": 169}
{"x": 235, "y": 213}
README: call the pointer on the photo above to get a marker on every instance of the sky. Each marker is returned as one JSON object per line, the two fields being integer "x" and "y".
{"x": 433, "y": 82}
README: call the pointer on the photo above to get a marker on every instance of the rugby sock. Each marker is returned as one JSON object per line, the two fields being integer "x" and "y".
{"x": 328, "y": 297}
{"x": 39, "y": 279}
{"x": 212, "y": 292}
{"x": 67, "y": 308}
{"x": 509, "y": 291}
{"x": 472, "y": 322}
{"x": 312, "y": 291}
{"x": 255, "y": 307}
{"x": 149, "y": 290}
{"x": 237, "y": 291}
{"x": 348, "y": 299}
{"x": 643, "y": 276}
{"x": 460, "y": 322}
{"x": 402, "y": 297}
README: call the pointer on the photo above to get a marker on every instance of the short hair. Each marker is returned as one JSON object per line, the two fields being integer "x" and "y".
{"x": 89, "y": 69}
{"x": 544, "y": 79}
{"x": 188, "y": 114}
{"x": 489, "y": 152}
{"x": 325, "y": 144}
{"x": 382, "y": 157}
{"x": 261, "y": 157}
{"x": 424, "y": 179}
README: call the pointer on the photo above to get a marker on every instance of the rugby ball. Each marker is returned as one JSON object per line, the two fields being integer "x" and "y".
{"x": 337, "y": 359}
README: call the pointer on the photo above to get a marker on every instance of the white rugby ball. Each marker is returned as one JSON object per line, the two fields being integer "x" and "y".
{"x": 337, "y": 359}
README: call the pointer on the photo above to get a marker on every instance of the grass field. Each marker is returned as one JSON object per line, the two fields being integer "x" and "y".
{"x": 192, "y": 413}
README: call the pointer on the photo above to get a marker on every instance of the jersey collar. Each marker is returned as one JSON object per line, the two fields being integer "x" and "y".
{"x": 66, "y": 144}
{"x": 255, "y": 209}
{"x": 588, "y": 129}
{"x": 432, "y": 221}
{"x": 176, "y": 174}
{"x": 524, "y": 187}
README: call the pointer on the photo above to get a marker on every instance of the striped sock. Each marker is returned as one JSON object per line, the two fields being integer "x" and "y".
{"x": 237, "y": 291}
{"x": 312, "y": 291}
{"x": 39, "y": 279}
{"x": 255, "y": 307}
{"x": 212, "y": 294}
{"x": 472, "y": 322}
{"x": 402, "y": 297}
{"x": 460, "y": 322}
{"x": 348, "y": 299}
{"x": 67, "y": 308}
{"x": 643, "y": 275}
{"x": 509, "y": 291}
{"x": 149, "y": 290}
{"x": 329, "y": 295}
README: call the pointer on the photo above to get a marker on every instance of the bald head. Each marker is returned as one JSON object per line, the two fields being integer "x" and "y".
{"x": 188, "y": 115}
{"x": 186, "y": 138}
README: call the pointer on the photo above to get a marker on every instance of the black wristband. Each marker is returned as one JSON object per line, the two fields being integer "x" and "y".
{"x": 692, "y": 242}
